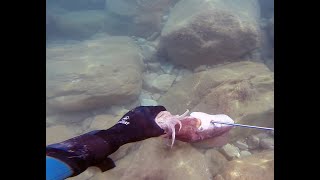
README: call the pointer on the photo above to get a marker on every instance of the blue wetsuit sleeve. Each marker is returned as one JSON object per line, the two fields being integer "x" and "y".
{"x": 56, "y": 169}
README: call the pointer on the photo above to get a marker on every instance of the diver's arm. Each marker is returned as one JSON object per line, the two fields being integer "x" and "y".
{"x": 93, "y": 148}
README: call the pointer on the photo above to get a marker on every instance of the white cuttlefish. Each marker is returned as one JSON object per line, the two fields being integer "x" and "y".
{"x": 196, "y": 127}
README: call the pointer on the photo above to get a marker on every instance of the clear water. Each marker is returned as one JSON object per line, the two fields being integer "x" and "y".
{"x": 105, "y": 57}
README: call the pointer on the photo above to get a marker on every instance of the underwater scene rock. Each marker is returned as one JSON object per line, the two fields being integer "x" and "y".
{"x": 259, "y": 166}
{"x": 153, "y": 159}
{"x": 243, "y": 90}
{"x": 210, "y": 31}
{"x": 93, "y": 74}
{"x": 53, "y": 137}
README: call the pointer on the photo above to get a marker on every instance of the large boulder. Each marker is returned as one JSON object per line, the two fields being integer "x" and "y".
{"x": 215, "y": 161}
{"x": 161, "y": 162}
{"x": 210, "y": 31}
{"x": 136, "y": 17}
{"x": 258, "y": 166}
{"x": 242, "y": 90}
{"x": 93, "y": 74}
{"x": 153, "y": 159}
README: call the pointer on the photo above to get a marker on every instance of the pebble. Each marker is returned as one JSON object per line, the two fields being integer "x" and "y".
{"x": 253, "y": 142}
{"x": 245, "y": 153}
{"x": 262, "y": 135}
{"x": 230, "y": 151}
{"x": 267, "y": 143}
{"x": 241, "y": 145}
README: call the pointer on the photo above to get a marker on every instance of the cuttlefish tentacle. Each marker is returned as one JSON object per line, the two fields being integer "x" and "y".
{"x": 173, "y": 135}
{"x": 180, "y": 125}
{"x": 167, "y": 121}
{"x": 181, "y": 117}
{"x": 176, "y": 120}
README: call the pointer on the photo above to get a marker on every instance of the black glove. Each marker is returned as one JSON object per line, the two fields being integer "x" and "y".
{"x": 92, "y": 149}
{"x": 136, "y": 125}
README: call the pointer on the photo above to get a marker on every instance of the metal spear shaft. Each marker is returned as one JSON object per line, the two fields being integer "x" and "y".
{"x": 243, "y": 125}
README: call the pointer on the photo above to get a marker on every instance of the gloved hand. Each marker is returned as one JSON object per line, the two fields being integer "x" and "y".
{"x": 136, "y": 125}
{"x": 92, "y": 149}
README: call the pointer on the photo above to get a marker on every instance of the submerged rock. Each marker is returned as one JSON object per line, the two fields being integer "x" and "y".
{"x": 230, "y": 151}
{"x": 243, "y": 90}
{"x": 86, "y": 124}
{"x": 117, "y": 110}
{"x": 103, "y": 121}
{"x": 262, "y": 135}
{"x": 267, "y": 143}
{"x": 69, "y": 117}
{"x": 93, "y": 74}
{"x": 58, "y": 133}
{"x": 158, "y": 83}
{"x": 165, "y": 163}
{"x": 245, "y": 154}
{"x": 124, "y": 150}
{"x": 253, "y": 142}
{"x": 163, "y": 82}
{"x": 258, "y": 166}
{"x": 148, "y": 52}
{"x": 89, "y": 173}
{"x": 241, "y": 145}
{"x": 215, "y": 161}
{"x": 181, "y": 162}
{"x": 211, "y": 31}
